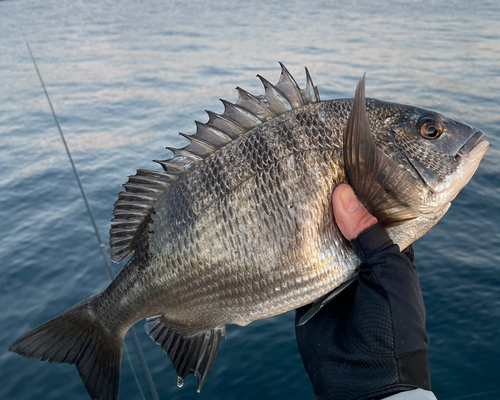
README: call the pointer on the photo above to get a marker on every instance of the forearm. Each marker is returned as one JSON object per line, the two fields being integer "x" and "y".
{"x": 387, "y": 271}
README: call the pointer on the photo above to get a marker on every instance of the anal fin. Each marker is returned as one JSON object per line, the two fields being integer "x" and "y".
{"x": 189, "y": 354}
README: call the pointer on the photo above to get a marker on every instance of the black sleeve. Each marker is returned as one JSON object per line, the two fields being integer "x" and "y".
{"x": 370, "y": 341}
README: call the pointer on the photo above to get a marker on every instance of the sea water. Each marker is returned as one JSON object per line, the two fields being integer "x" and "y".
{"x": 126, "y": 76}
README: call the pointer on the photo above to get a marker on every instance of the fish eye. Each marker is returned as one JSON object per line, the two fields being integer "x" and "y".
{"x": 430, "y": 128}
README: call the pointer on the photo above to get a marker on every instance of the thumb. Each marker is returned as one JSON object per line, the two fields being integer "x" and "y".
{"x": 350, "y": 215}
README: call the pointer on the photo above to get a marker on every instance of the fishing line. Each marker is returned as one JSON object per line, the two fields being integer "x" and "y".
{"x": 136, "y": 379}
{"x": 102, "y": 247}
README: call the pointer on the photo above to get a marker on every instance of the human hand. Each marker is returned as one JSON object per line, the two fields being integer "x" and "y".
{"x": 350, "y": 215}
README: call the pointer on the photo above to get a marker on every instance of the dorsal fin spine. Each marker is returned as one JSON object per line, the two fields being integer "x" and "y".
{"x": 241, "y": 115}
{"x": 198, "y": 146}
{"x": 288, "y": 86}
{"x": 311, "y": 91}
{"x": 136, "y": 188}
{"x": 170, "y": 167}
{"x": 278, "y": 102}
{"x": 122, "y": 204}
{"x": 135, "y": 196}
{"x": 254, "y": 105}
{"x": 144, "y": 180}
{"x": 160, "y": 177}
{"x": 121, "y": 241}
{"x": 211, "y": 134}
{"x": 232, "y": 128}
{"x": 184, "y": 153}
{"x": 131, "y": 213}
{"x": 129, "y": 217}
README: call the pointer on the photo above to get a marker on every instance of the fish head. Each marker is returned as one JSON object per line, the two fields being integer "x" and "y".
{"x": 441, "y": 154}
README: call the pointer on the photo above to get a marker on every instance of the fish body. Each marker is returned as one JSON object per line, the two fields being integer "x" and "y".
{"x": 248, "y": 234}
{"x": 239, "y": 226}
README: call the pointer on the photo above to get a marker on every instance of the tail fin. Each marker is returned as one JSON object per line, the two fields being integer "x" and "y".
{"x": 76, "y": 337}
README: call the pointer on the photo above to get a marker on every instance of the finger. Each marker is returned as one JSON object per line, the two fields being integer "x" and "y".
{"x": 350, "y": 215}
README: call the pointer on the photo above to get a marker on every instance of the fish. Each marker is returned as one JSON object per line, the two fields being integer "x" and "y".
{"x": 238, "y": 226}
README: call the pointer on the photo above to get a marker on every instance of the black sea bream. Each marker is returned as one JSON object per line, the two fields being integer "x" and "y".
{"x": 239, "y": 225}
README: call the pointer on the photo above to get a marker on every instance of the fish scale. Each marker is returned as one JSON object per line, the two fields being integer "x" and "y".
{"x": 239, "y": 225}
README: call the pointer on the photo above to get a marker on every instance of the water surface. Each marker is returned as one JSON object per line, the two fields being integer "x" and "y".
{"x": 125, "y": 77}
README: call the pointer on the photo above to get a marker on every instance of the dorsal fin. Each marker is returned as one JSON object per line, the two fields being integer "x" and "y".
{"x": 134, "y": 206}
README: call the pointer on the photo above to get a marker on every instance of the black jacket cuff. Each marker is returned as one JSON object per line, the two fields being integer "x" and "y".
{"x": 370, "y": 241}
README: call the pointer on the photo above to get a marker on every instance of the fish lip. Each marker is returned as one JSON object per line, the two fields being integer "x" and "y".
{"x": 471, "y": 143}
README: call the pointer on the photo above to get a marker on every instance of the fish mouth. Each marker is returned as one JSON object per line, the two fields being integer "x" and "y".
{"x": 473, "y": 144}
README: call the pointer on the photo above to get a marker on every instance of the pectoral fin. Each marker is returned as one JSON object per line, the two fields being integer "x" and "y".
{"x": 384, "y": 188}
{"x": 318, "y": 304}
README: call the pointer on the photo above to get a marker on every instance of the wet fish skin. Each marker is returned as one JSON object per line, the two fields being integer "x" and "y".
{"x": 248, "y": 233}
{"x": 259, "y": 244}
